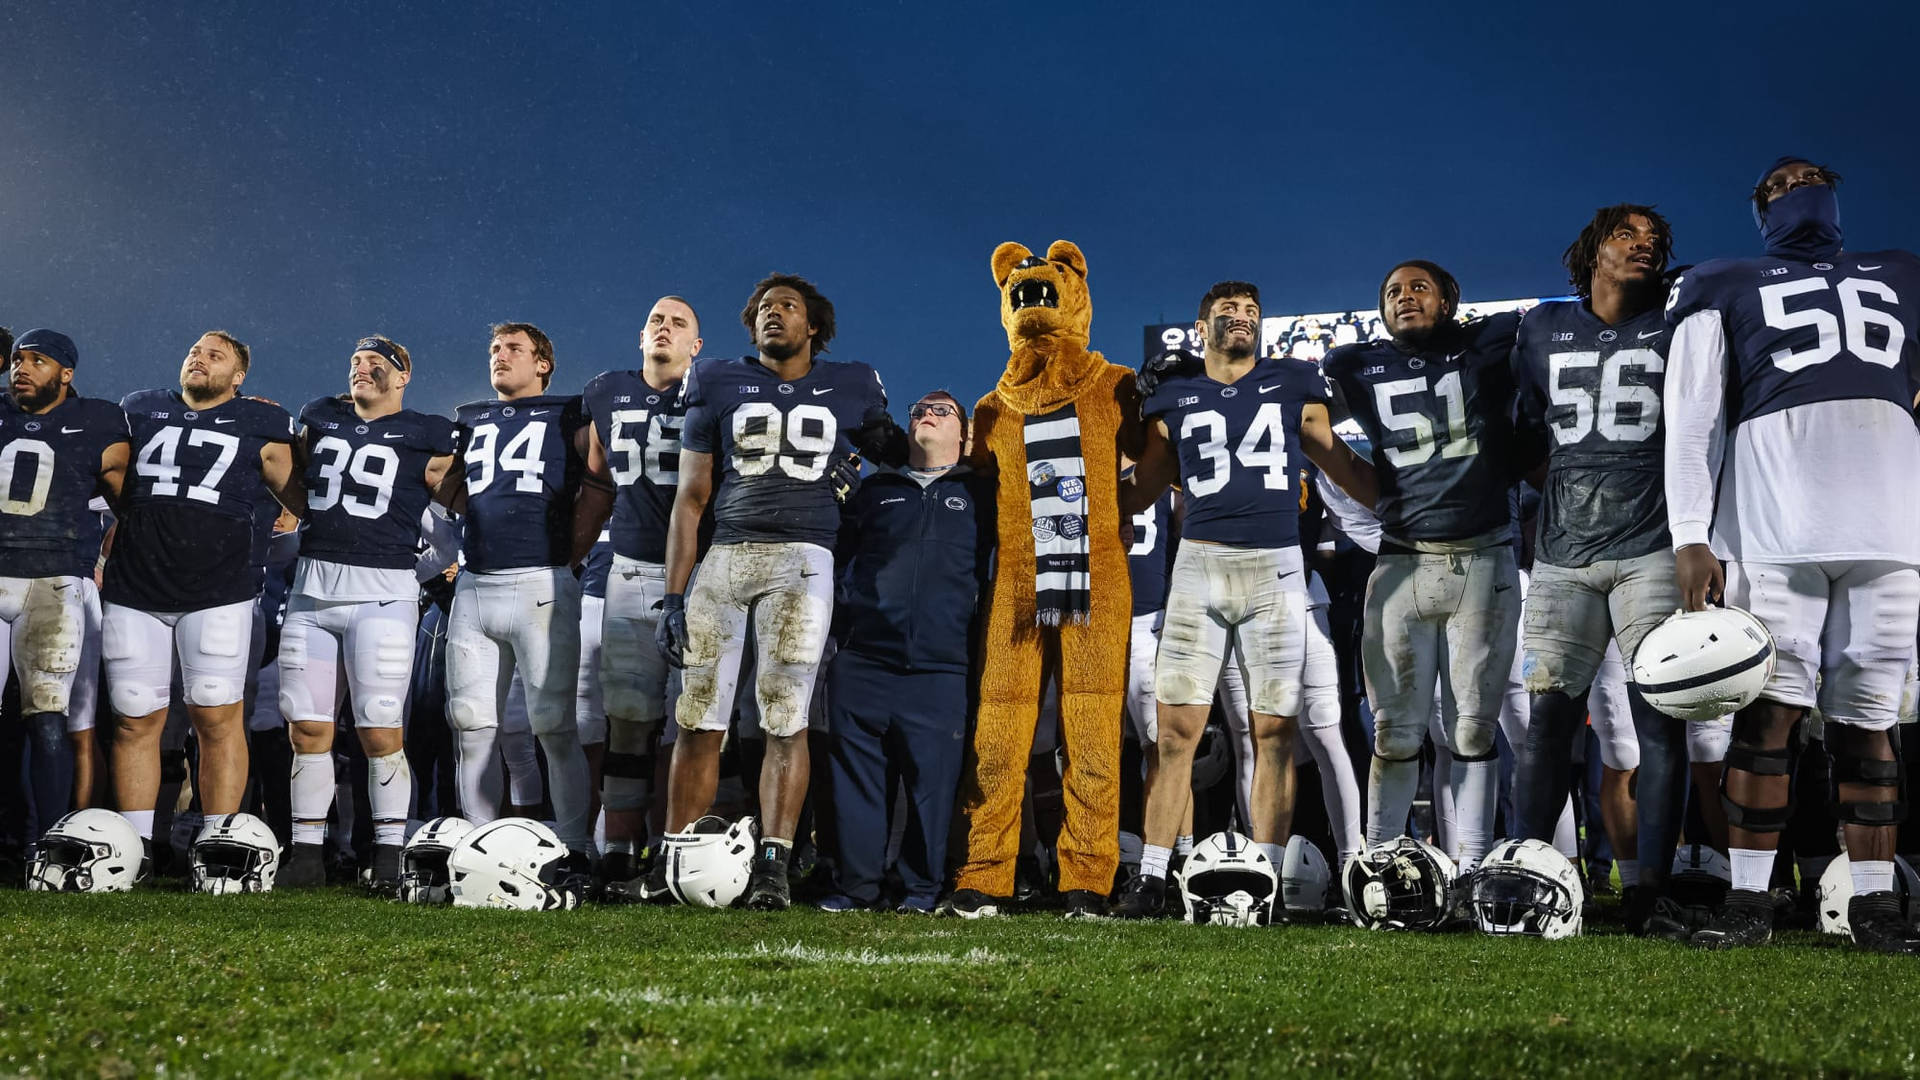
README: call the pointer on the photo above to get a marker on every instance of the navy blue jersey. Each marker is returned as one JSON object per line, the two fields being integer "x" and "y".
{"x": 367, "y": 482}
{"x": 1150, "y": 558}
{"x": 1803, "y": 332}
{"x": 522, "y": 472}
{"x": 49, "y": 471}
{"x": 639, "y": 430}
{"x": 593, "y": 572}
{"x": 194, "y": 496}
{"x": 1238, "y": 446}
{"x": 1592, "y": 391}
{"x": 774, "y": 441}
{"x": 1441, "y": 425}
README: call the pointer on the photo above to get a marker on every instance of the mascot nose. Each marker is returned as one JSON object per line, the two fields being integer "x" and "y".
{"x": 1031, "y": 261}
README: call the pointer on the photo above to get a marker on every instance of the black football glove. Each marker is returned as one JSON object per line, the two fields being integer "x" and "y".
{"x": 844, "y": 476}
{"x": 1167, "y": 365}
{"x": 882, "y": 441}
{"x": 670, "y": 633}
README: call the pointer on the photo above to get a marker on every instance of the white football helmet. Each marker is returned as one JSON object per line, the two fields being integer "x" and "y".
{"x": 1836, "y": 888}
{"x": 234, "y": 853}
{"x": 513, "y": 863}
{"x": 1228, "y": 881}
{"x": 1702, "y": 665}
{"x": 424, "y": 878}
{"x": 1526, "y": 887}
{"x": 708, "y": 864}
{"x": 1700, "y": 877}
{"x": 86, "y": 851}
{"x": 1304, "y": 879}
{"x": 1399, "y": 884}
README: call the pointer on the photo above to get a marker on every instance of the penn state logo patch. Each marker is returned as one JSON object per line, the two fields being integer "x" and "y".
{"x": 1043, "y": 529}
{"x": 955, "y": 502}
{"x": 189, "y": 415}
{"x": 1416, "y": 364}
{"x": 360, "y": 429}
{"x": 506, "y": 410}
{"x": 1608, "y": 335}
{"x": 33, "y": 425}
{"x": 1072, "y": 487}
{"x": 786, "y": 388}
{"x": 1041, "y": 474}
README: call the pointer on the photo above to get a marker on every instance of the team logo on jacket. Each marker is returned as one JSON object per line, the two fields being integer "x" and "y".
{"x": 1608, "y": 335}
{"x": 33, "y": 425}
{"x": 1072, "y": 487}
{"x": 1416, "y": 364}
{"x": 955, "y": 502}
{"x": 1041, "y": 474}
{"x": 506, "y": 410}
{"x": 1072, "y": 526}
{"x": 1043, "y": 529}
{"x": 360, "y": 429}
{"x": 786, "y": 388}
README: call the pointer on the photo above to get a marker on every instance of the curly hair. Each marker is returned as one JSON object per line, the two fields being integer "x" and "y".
{"x": 1221, "y": 290}
{"x": 1585, "y": 249}
{"x": 819, "y": 308}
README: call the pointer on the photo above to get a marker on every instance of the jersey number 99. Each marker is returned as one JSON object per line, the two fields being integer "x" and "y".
{"x": 763, "y": 435}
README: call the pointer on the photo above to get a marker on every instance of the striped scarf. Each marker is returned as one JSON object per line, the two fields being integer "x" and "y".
{"x": 1057, "y": 492}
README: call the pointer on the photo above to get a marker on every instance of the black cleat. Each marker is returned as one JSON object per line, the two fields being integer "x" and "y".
{"x": 1145, "y": 897}
{"x": 1651, "y": 915}
{"x": 574, "y": 875}
{"x": 1085, "y": 904}
{"x": 621, "y": 881}
{"x": 1878, "y": 925}
{"x": 386, "y": 870}
{"x": 972, "y": 904}
{"x": 767, "y": 886}
{"x": 1745, "y": 919}
{"x": 306, "y": 868}
{"x": 654, "y": 889}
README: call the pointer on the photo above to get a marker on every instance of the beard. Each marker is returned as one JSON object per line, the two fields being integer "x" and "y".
{"x": 782, "y": 351}
{"x": 1233, "y": 350}
{"x": 35, "y": 398}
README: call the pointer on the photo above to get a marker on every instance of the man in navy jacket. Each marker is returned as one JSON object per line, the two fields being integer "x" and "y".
{"x": 915, "y": 549}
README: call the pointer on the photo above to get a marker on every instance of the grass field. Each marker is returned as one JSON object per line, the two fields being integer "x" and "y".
{"x": 333, "y": 984}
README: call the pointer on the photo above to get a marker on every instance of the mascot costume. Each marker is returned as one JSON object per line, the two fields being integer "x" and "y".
{"x": 1054, "y": 431}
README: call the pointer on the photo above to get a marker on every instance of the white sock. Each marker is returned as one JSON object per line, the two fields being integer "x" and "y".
{"x": 523, "y": 768}
{"x": 600, "y": 828}
{"x": 1629, "y": 872}
{"x": 1566, "y": 834}
{"x": 1752, "y": 870}
{"x": 389, "y": 796}
{"x": 1338, "y": 788}
{"x": 141, "y": 820}
{"x": 1153, "y": 860}
{"x": 570, "y": 781}
{"x": 1390, "y": 788}
{"x": 477, "y": 773}
{"x": 1476, "y": 799}
{"x": 310, "y": 794}
{"x": 1871, "y": 877}
{"x": 1275, "y": 853}
{"x": 1183, "y": 845}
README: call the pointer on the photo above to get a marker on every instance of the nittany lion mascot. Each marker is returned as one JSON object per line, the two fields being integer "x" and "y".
{"x": 1054, "y": 431}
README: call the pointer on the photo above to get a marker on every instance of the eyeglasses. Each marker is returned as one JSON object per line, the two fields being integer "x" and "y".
{"x": 937, "y": 408}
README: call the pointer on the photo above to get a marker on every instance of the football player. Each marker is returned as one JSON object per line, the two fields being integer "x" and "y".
{"x": 633, "y": 446}
{"x": 372, "y": 468}
{"x": 57, "y": 451}
{"x": 776, "y": 426}
{"x": 185, "y": 570}
{"x": 1790, "y": 442}
{"x": 1231, "y": 433}
{"x": 1435, "y": 401}
{"x": 517, "y": 607}
{"x": 1590, "y": 373}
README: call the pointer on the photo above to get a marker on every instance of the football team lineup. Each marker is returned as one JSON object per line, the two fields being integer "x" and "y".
{"x": 1428, "y": 621}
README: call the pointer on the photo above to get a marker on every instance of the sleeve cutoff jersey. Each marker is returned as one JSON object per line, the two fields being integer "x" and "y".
{"x": 194, "y": 499}
{"x": 1441, "y": 427}
{"x": 639, "y": 430}
{"x": 773, "y": 442}
{"x": 522, "y": 473}
{"x": 1239, "y": 449}
{"x": 49, "y": 469}
{"x": 366, "y": 482}
{"x": 1594, "y": 391}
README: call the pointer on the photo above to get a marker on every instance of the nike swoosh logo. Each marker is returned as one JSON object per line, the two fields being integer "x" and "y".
{"x": 71, "y": 430}
{"x": 226, "y": 420}
{"x": 1501, "y": 588}
{"x": 389, "y": 779}
{"x": 1651, "y": 333}
{"x": 1275, "y": 386}
{"x": 394, "y": 435}
{"x": 1285, "y": 574}
{"x": 541, "y": 603}
{"x": 1875, "y": 266}
{"x": 538, "y": 412}
{"x": 817, "y": 391}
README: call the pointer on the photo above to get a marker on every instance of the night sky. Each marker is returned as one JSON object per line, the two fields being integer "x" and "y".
{"x": 303, "y": 177}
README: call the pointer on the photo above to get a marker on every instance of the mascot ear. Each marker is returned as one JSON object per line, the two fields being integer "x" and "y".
{"x": 1005, "y": 258}
{"x": 1065, "y": 251}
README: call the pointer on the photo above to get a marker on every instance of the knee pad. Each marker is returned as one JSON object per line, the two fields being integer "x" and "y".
{"x": 1849, "y": 763}
{"x": 1276, "y": 697}
{"x": 786, "y": 710}
{"x": 1759, "y": 762}
{"x": 383, "y": 711}
{"x": 1473, "y": 740}
{"x": 133, "y": 700}
{"x": 1395, "y": 743}
{"x": 626, "y": 738}
{"x": 1323, "y": 711}
{"x": 1176, "y": 687}
{"x": 207, "y": 691}
{"x": 466, "y": 714}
